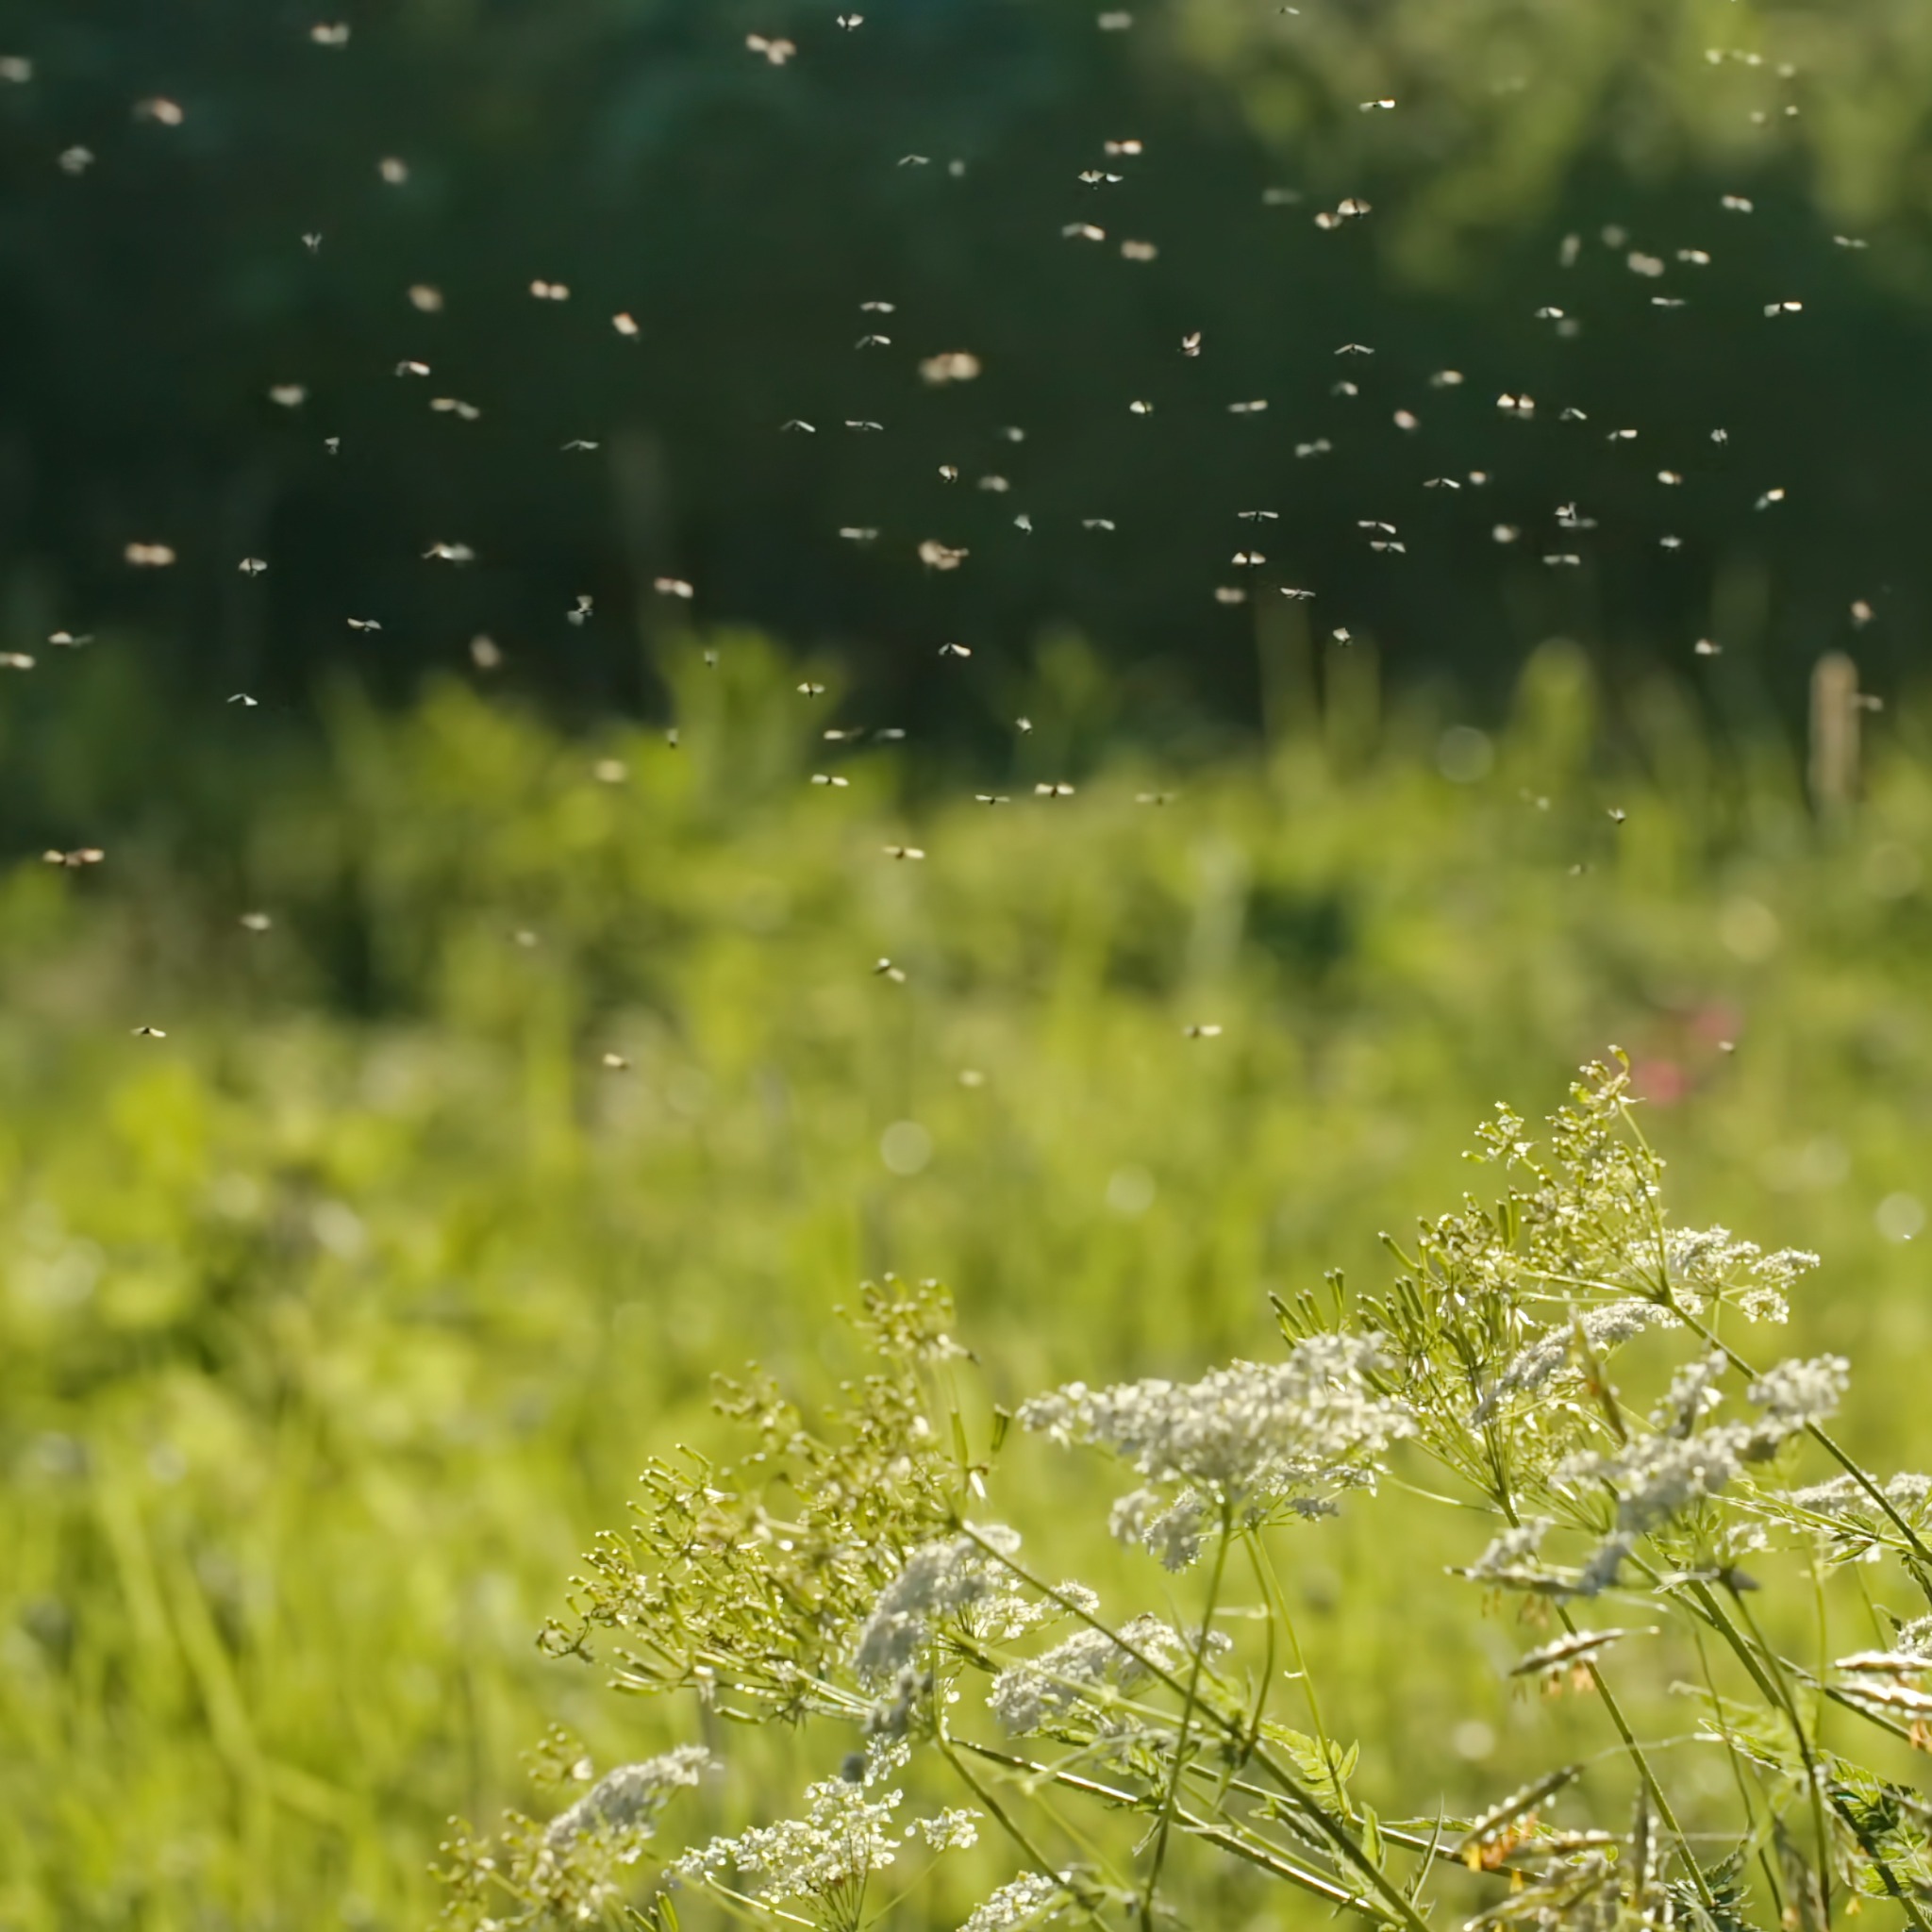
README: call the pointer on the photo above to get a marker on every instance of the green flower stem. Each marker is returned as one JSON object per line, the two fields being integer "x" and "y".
{"x": 1006, "y": 1823}
{"x": 756, "y": 1911}
{"x": 1637, "y": 1752}
{"x": 1642, "y": 1759}
{"x": 1180, "y": 1749}
{"x": 1224, "y": 1838}
{"x": 1271, "y": 1586}
{"x": 1735, "y": 1757}
{"x": 1768, "y": 1675}
{"x": 1331, "y": 1827}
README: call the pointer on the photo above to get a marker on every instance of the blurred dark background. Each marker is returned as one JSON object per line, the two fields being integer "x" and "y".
{"x": 155, "y": 286}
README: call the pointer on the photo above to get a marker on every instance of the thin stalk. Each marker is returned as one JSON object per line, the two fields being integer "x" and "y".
{"x": 1180, "y": 1749}
{"x": 1732, "y": 1752}
{"x": 755, "y": 1909}
{"x": 1264, "y": 1857}
{"x": 1329, "y": 1826}
{"x": 1901, "y": 1732}
{"x": 1009, "y": 1826}
{"x": 1637, "y": 1754}
{"x": 1813, "y": 1772}
{"x": 1768, "y": 1675}
{"x": 1332, "y": 1830}
{"x": 1431, "y": 1847}
{"x": 1266, "y": 1575}
{"x": 1641, "y": 1758}
{"x": 1266, "y": 1687}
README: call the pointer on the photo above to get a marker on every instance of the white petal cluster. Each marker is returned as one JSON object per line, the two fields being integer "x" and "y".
{"x": 953, "y": 1830}
{"x": 1511, "y": 1559}
{"x": 843, "y": 1836}
{"x": 1029, "y": 1696}
{"x": 1027, "y": 1900}
{"x": 1712, "y": 1264}
{"x": 1001, "y": 1618}
{"x": 1557, "y": 1348}
{"x": 939, "y": 1578}
{"x": 1802, "y": 1393}
{"x": 1693, "y": 1393}
{"x": 1302, "y": 1427}
{"x": 631, "y": 1797}
{"x": 1173, "y": 1531}
{"x": 1656, "y": 1477}
{"x": 1907, "y": 1492}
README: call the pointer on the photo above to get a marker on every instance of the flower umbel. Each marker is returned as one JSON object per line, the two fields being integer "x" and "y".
{"x": 943, "y": 1578}
{"x": 1251, "y": 1436}
{"x": 631, "y": 1796}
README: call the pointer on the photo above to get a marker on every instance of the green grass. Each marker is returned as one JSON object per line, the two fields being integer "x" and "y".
{"x": 333, "y": 1324}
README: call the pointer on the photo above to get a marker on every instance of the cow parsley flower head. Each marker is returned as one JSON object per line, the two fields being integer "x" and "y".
{"x": 1693, "y": 1393}
{"x": 843, "y": 1836}
{"x": 954, "y": 1830}
{"x": 1513, "y": 1560}
{"x": 1557, "y": 1349}
{"x": 1800, "y": 1393}
{"x": 1028, "y": 1900}
{"x": 1249, "y": 1435}
{"x": 1027, "y": 1697}
{"x": 939, "y": 1578}
{"x": 1172, "y": 1530}
{"x": 1010, "y": 1613}
{"x": 1907, "y": 1492}
{"x": 630, "y": 1797}
{"x": 1657, "y": 1477}
{"x": 1711, "y": 1264}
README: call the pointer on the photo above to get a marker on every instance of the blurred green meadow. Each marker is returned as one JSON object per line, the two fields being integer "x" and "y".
{"x": 337, "y": 1317}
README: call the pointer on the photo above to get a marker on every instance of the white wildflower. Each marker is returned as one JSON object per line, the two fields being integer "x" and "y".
{"x": 1288, "y": 1432}
{"x": 1001, "y": 1618}
{"x": 630, "y": 1796}
{"x": 893, "y": 1715}
{"x": 1600, "y": 1573}
{"x": 843, "y": 1837}
{"x": 1028, "y": 1900}
{"x": 1085, "y": 1670}
{"x": 883, "y": 1758}
{"x": 1656, "y": 1477}
{"x": 1849, "y": 1501}
{"x": 1512, "y": 1557}
{"x": 1916, "y": 1636}
{"x": 1900, "y": 1662}
{"x": 1693, "y": 1393}
{"x": 1029, "y": 1695}
{"x": 1741, "y": 1538}
{"x": 1567, "y": 1652}
{"x": 1711, "y": 1264}
{"x": 1557, "y": 1349}
{"x": 1802, "y": 1393}
{"x": 938, "y": 1580}
{"x": 953, "y": 1830}
{"x": 1172, "y": 1531}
